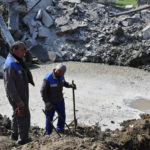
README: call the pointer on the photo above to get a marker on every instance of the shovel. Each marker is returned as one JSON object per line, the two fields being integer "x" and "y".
{"x": 74, "y": 109}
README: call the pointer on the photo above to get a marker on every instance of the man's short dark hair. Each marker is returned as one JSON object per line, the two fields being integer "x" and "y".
{"x": 16, "y": 45}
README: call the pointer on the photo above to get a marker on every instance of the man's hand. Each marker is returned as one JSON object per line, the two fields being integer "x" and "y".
{"x": 73, "y": 86}
{"x": 48, "y": 106}
{"x": 20, "y": 109}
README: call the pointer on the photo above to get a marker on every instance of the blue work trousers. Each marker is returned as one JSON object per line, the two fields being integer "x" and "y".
{"x": 60, "y": 108}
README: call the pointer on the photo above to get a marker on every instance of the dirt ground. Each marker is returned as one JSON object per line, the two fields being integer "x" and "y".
{"x": 134, "y": 135}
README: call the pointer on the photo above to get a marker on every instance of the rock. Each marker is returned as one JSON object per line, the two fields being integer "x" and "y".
{"x": 63, "y": 20}
{"x": 72, "y": 26}
{"x": 39, "y": 14}
{"x": 146, "y": 32}
{"x": 42, "y": 54}
{"x": 5, "y": 32}
{"x": 2, "y": 61}
{"x": 47, "y": 19}
{"x": 30, "y": 3}
{"x": 129, "y": 6}
{"x": 7, "y": 1}
{"x": 72, "y": 1}
{"x": 13, "y": 19}
{"x": 43, "y": 32}
{"x": 51, "y": 10}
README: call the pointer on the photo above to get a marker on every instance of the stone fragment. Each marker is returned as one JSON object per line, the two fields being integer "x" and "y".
{"x": 13, "y": 18}
{"x": 46, "y": 19}
{"x": 72, "y": 26}
{"x": 42, "y": 54}
{"x": 39, "y": 14}
{"x": 62, "y": 20}
{"x": 43, "y": 32}
{"x": 2, "y": 61}
{"x": 5, "y": 32}
{"x": 146, "y": 32}
{"x": 72, "y": 1}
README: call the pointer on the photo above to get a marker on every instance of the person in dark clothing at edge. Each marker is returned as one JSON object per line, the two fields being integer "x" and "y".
{"x": 52, "y": 96}
{"x": 16, "y": 79}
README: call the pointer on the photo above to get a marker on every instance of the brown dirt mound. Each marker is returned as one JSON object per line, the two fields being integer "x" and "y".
{"x": 134, "y": 135}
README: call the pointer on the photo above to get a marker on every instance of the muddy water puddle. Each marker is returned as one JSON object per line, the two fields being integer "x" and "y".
{"x": 141, "y": 104}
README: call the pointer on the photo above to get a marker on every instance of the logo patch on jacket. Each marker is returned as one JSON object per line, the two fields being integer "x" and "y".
{"x": 19, "y": 71}
{"x": 53, "y": 85}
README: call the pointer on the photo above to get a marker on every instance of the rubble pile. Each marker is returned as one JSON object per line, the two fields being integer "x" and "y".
{"x": 83, "y": 31}
{"x": 135, "y": 135}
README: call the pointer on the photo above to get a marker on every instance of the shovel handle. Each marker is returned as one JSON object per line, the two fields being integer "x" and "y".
{"x": 74, "y": 110}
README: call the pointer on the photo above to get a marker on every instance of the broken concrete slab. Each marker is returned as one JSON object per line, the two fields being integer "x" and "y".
{"x": 30, "y": 42}
{"x": 43, "y": 32}
{"x": 72, "y": 26}
{"x": 46, "y": 19}
{"x": 146, "y": 32}
{"x": 7, "y": 1}
{"x": 71, "y": 1}
{"x": 62, "y": 20}
{"x": 13, "y": 19}
{"x": 39, "y": 14}
{"x": 5, "y": 32}
{"x": 51, "y": 10}
{"x": 37, "y": 50}
{"x": 20, "y": 9}
{"x": 2, "y": 61}
{"x": 30, "y": 3}
{"x": 36, "y": 27}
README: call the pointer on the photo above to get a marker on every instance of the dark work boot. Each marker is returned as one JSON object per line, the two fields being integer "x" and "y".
{"x": 20, "y": 142}
{"x": 13, "y": 137}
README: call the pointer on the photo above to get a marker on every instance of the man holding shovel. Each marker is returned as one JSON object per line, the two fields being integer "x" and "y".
{"x": 52, "y": 96}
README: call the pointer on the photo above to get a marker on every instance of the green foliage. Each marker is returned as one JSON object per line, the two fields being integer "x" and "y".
{"x": 127, "y": 2}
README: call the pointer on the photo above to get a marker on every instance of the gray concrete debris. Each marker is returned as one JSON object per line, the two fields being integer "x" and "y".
{"x": 43, "y": 32}
{"x": 21, "y": 9}
{"x": 39, "y": 14}
{"x": 72, "y": 26}
{"x": 146, "y": 32}
{"x": 7, "y": 1}
{"x": 5, "y": 32}
{"x": 107, "y": 1}
{"x": 51, "y": 10}
{"x": 2, "y": 61}
{"x": 63, "y": 20}
{"x": 71, "y": 1}
{"x": 37, "y": 50}
{"x": 85, "y": 31}
{"x": 142, "y": 2}
{"x": 30, "y": 3}
{"x": 30, "y": 42}
{"x": 46, "y": 19}
{"x": 13, "y": 19}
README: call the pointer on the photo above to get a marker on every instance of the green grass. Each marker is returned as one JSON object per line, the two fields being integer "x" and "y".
{"x": 127, "y": 2}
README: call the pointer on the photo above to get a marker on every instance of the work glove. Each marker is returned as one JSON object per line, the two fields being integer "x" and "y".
{"x": 73, "y": 86}
{"x": 48, "y": 106}
{"x": 20, "y": 109}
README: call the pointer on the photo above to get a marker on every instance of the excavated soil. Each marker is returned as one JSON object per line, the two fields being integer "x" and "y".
{"x": 134, "y": 135}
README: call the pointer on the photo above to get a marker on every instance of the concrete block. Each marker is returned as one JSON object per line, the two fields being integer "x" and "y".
{"x": 43, "y": 32}
{"x": 46, "y": 19}
{"x": 2, "y": 61}
{"x": 13, "y": 18}
{"x": 146, "y": 32}
{"x": 5, "y": 32}
{"x": 39, "y": 14}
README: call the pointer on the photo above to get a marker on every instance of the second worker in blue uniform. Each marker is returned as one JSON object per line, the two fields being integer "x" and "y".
{"x": 52, "y": 96}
